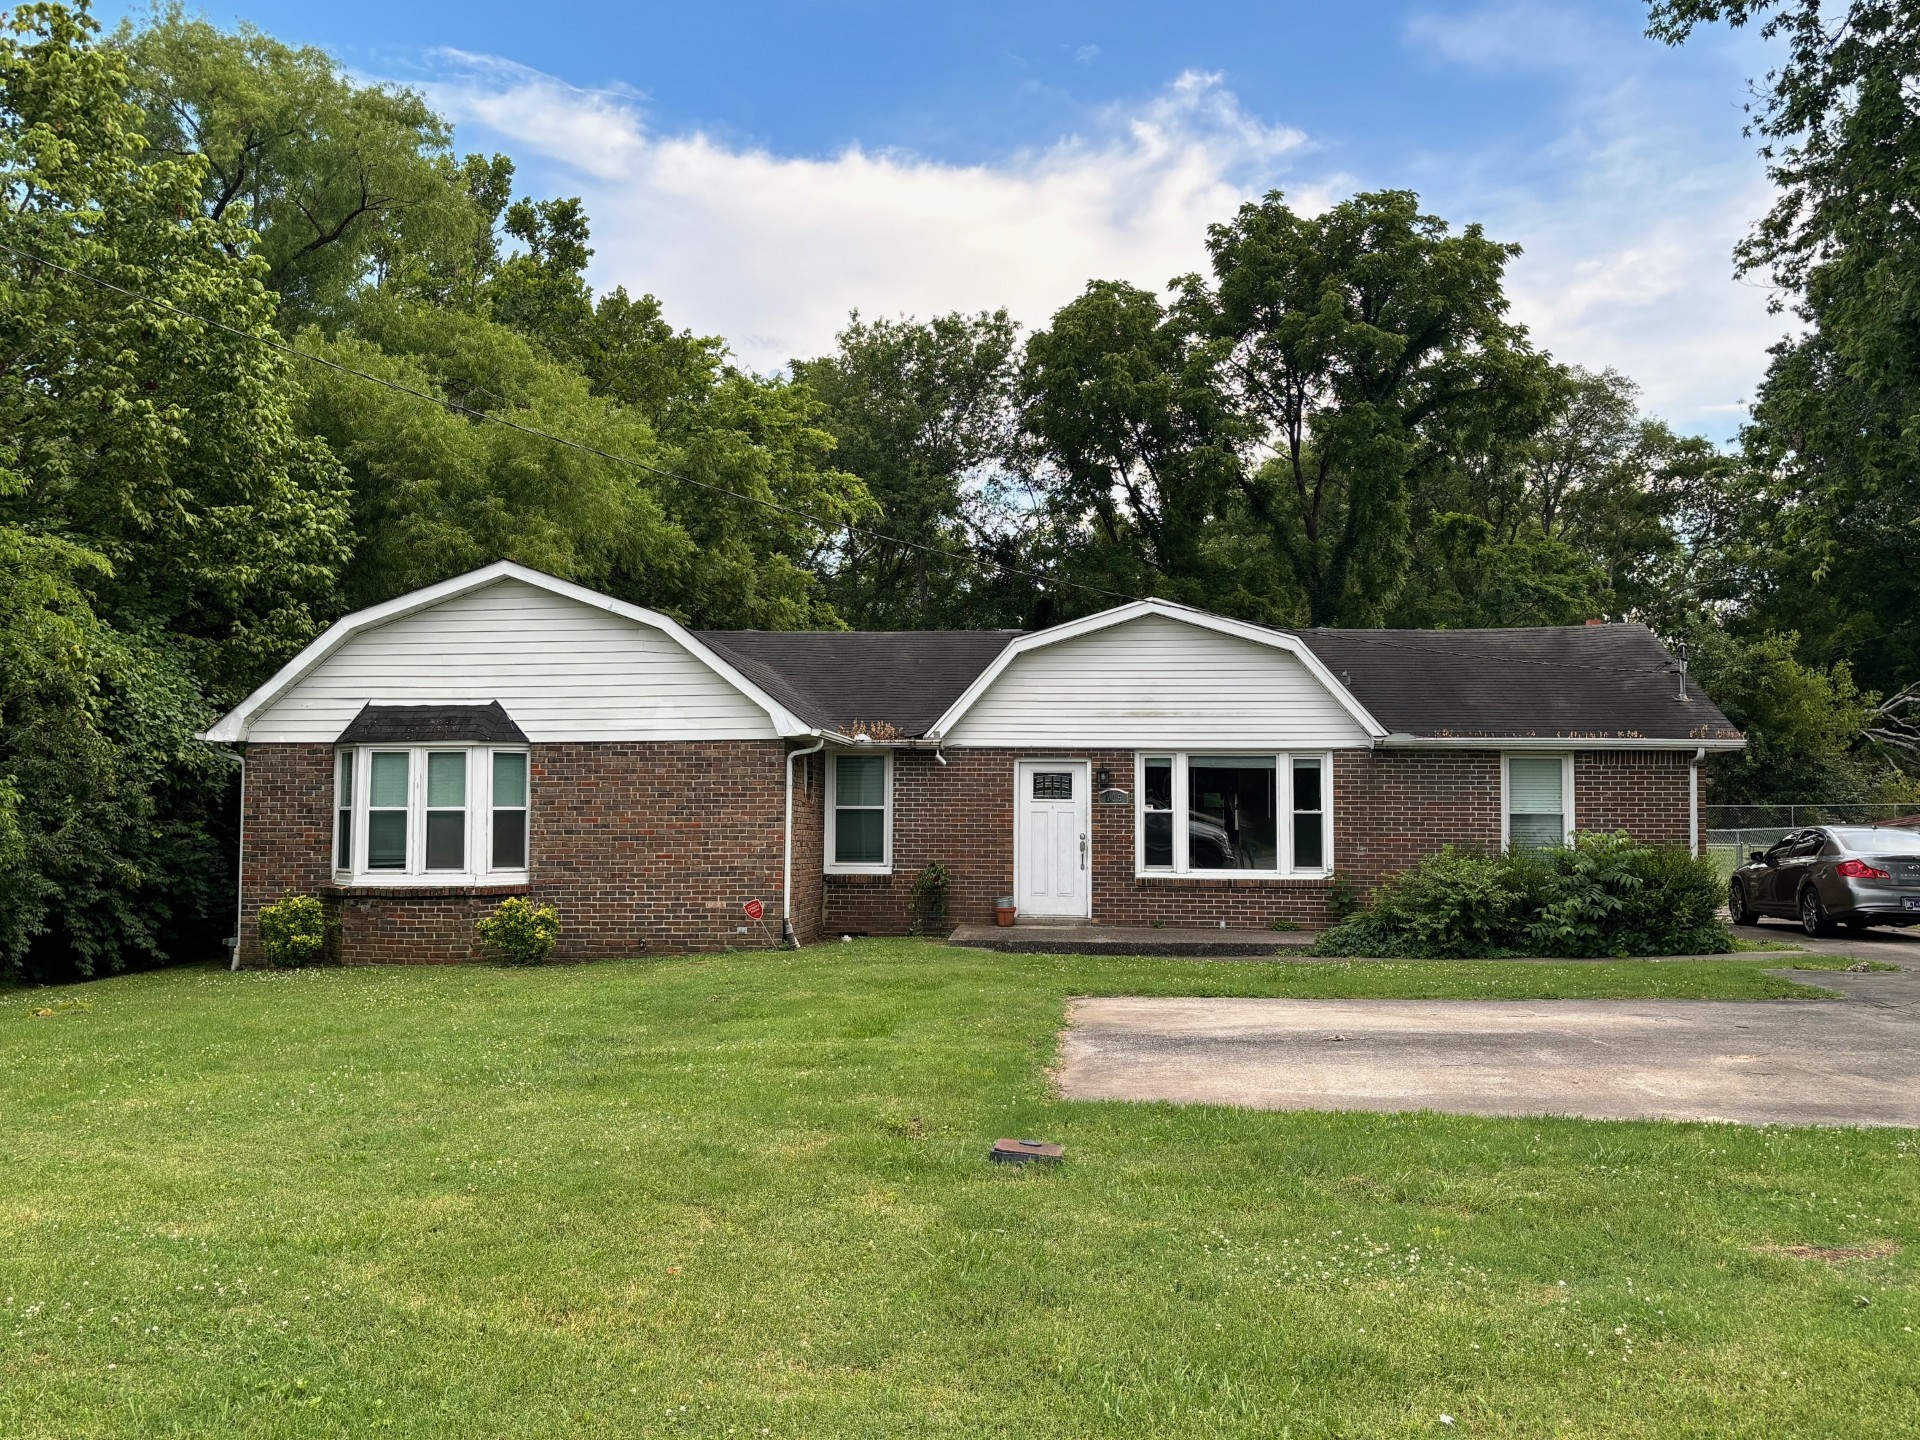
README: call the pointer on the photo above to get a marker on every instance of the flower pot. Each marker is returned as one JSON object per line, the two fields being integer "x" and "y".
{"x": 1003, "y": 914}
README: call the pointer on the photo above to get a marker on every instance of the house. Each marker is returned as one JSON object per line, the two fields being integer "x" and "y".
{"x": 506, "y": 733}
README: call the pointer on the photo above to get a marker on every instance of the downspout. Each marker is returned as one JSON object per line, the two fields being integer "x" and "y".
{"x": 240, "y": 863}
{"x": 786, "y": 883}
{"x": 1693, "y": 800}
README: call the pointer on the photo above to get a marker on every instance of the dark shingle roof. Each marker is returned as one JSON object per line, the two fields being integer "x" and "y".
{"x": 831, "y": 678}
{"x": 431, "y": 725}
{"x": 1567, "y": 682}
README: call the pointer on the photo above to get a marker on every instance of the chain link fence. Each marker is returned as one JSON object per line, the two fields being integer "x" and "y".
{"x": 1733, "y": 830}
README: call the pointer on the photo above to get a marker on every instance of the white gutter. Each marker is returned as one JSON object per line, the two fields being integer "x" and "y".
{"x": 1548, "y": 742}
{"x": 1693, "y": 800}
{"x": 786, "y": 882}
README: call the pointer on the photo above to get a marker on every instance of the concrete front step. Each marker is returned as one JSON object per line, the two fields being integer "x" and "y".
{"x": 1129, "y": 940}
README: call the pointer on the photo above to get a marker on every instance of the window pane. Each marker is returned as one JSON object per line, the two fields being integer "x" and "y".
{"x": 1309, "y": 843}
{"x": 1306, "y": 785}
{"x": 386, "y": 835}
{"x": 446, "y": 840}
{"x": 509, "y": 779}
{"x": 1159, "y": 784}
{"x": 509, "y": 839}
{"x": 1536, "y": 832}
{"x": 1053, "y": 785}
{"x": 343, "y": 841}
{"x": 388, "y": 787}
{"x": 446, "y": 779}
{"x": 860, "y": 780}
{"x": 1232, "y": 822}
{"x": 1533, "y": 785}
{"x": 1159, "y": 840}
{"x": 345, "y": 800}
{"x": 858, "y": 837}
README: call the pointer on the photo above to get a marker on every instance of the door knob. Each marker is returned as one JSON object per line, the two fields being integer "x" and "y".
{"x": 1083, "y": 851}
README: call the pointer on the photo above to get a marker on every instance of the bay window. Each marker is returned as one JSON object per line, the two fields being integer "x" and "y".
{"x": 1236, "y": 816}
{"x": 423, "y": 814}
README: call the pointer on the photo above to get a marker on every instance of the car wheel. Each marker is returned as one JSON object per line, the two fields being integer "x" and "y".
{"x": 1813, "y": 915}
{"x": 1737, "y": 908}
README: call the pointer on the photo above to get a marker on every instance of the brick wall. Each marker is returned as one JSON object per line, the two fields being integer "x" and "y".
{"x": 656, "y": 847}
{"x": 1643, "y": 792}
{"x": 1390, "y": 807}
{"x": 639, "y": 846}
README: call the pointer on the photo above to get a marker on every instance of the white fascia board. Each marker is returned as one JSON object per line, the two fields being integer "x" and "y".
{"x": 1134, "y": 610}
{"x": 234, "y": 725}
{"x": 1555, "y": 743}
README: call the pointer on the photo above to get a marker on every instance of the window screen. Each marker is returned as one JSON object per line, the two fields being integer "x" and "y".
{"x": 343, "y": 814}
{"x": 387, "y": 810}
{"x": 509, "y": 811}
{"x": 860, "y": 809}
{"x": 1309, "y": 815}
{"x": 1536, "y": 804}
{"x": 1156, "y": 804}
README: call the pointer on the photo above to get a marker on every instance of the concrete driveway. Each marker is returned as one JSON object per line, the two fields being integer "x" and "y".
{"x": 1852, "y": 1061}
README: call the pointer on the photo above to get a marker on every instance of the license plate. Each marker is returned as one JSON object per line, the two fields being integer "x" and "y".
{"x": 1912, "y": 902}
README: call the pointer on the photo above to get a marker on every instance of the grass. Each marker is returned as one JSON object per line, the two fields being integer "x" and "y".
{"x": 747, "y": 1195}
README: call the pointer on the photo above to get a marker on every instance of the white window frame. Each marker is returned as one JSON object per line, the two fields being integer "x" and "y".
{"x": 832, "y": 806}
{"x": 1283, "y": 761}
{"x": 352, "y": 870}
{"x": 1507, "y": 758}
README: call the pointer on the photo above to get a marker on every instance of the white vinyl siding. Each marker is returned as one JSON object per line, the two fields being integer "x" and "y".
{"x": 1156, "y": 681}
{"x": 1537, "y": 810}
{"x": 564, "y": 671}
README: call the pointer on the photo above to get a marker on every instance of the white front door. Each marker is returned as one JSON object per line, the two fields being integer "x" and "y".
{"x": 1053, "y": 843}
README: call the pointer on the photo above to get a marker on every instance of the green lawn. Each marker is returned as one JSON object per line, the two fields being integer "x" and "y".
{"x": 747, "y": 1195}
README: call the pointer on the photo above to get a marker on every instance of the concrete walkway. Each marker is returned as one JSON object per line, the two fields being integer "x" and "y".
{"x": 1854, "y": 1061}
{"x": 1189, "y": 940}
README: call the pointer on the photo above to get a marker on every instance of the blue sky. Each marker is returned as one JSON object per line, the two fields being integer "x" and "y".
{"x": 764, "y": 168}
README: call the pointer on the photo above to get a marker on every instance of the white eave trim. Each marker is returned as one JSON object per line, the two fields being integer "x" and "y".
{"x": 1135, "y": 610}
{"x": 233, "y": 726}
{"x": 1399, "y": 741}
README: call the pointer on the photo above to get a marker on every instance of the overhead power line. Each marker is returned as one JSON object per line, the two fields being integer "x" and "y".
{"x": 489, "y": 417}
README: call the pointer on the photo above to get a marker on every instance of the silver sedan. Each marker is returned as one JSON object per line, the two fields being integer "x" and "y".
{"x": 1852, "y": 875}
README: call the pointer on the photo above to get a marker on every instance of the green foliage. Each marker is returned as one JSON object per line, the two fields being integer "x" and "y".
{"x": 519, "y": 931}
{"x": 1603, "y": 895}
{"x": 166, "y": 539}
{"x": 923, "y": 413}
{"x": 1801, "y": 721}
{"x": 293, "y": 931}
{"x": 344, "y": 182}
{"x": 930, "y": 890}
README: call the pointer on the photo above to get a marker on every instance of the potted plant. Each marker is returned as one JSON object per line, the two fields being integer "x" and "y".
{"x": 1003, "y": 910}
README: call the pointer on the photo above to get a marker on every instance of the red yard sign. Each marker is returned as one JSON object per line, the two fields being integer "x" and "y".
{"x": 755, "y": 909}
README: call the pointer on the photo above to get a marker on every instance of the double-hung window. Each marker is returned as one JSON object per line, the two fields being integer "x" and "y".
{"x": 422, "y": 814}
{"x": 1538, "y": 814}
{"x": 1235, "y": 816}
{"x": 859, "y": 811}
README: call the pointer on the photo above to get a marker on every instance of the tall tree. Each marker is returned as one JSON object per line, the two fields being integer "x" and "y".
{"x": 1365, "y": 349}
{"x": 923, "y": 413}
{"x": 166, "y": 538}
{"x": 342, "y": 180}
{"x": 1124, "y": 404}
{"x": 1831, "y": 518}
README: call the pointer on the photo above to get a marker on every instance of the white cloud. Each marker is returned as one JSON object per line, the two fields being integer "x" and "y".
{"x": 772, "y": 251}
{"x": 1627, "y": 223}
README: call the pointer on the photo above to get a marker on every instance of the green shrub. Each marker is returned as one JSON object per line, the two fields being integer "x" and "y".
{"x": 521, "y": 932}
{"x": 930, "y": 888}
{"x": 1603, "y": 895}
{"x": 293, "y": 931}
